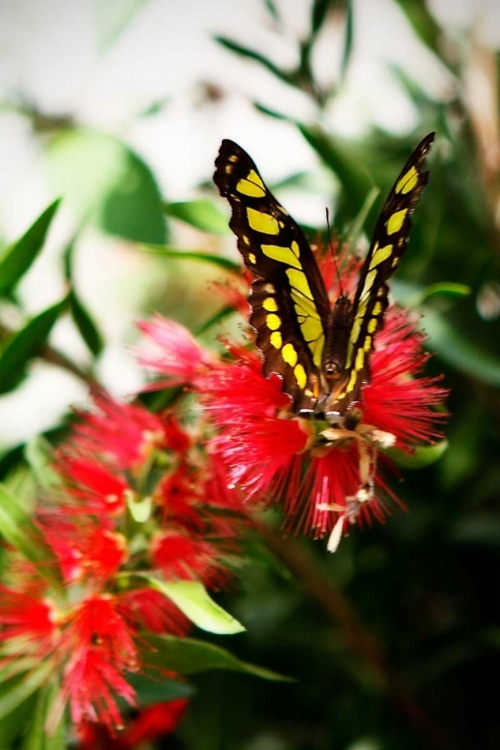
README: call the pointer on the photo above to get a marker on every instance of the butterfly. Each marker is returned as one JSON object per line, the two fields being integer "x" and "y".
{"x": 321, "y": 350}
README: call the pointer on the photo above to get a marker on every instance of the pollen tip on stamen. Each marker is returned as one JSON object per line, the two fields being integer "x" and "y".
{"x": 336, "y": 535}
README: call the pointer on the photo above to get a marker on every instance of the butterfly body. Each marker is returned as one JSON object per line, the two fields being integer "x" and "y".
{"x": 320, "y": 350}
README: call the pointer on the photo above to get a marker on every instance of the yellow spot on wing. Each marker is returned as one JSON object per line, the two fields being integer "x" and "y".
{"x": 300, "y": 375}
{"x": 281, "y": 254}
{"x": 377, "y": 308}
{"x": 262, "y": 222}
{"x": 251, "y": 185}
{"x": 289, "y": 354}
{"x": 407, "y": 182}
{"x": 372, "y": 325}
{"x": 273, "y": 321}
{"x": 370, "y": 278}
{"x": 381, "y": 254}
{"x": 360, "y": 360}
{"x": 270, "y": 305}
{"x": 298, "y": 282}
{"x": 395, "y": 222}
{"x": 276, "y": 339}
{"x": 252, "y": 258}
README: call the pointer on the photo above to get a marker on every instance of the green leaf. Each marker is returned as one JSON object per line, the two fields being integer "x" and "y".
{"x": 319, "y": 11}
{"x": 101, "y": 178}
{"x": 25, "y": 345}
{"x": 189, "y": 656}
{"x": 352, "y": 177}
{"x": 112, "y": 18}
{"x": 37, "y": 736}
{"x": 86, "y": 325}
{"x": 18, "y": 258}
{"x": 445, "y": 289}
{"x": 460, "y": 352}
{"x": 139, "y": 509}
{"x": 39, "y": 456}
{"x": 348, "y": 40}
{"x": 422, "y": 456}
{"x": 215, "y": 260}
{"x": 17, "y": 690}
{"x": 153, "y": 690}
{"x": 251, "y": 54}
{"x": 201, "y": 214}
{"x": 18, "y": 529}
{"x": 192, "y": 598}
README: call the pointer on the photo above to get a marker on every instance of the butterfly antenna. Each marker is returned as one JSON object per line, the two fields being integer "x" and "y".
{"x": 330, "y": 244}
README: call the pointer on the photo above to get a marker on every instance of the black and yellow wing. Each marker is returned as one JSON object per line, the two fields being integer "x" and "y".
{"x": 388, "y": 245}
{"x": 289, "y": 301}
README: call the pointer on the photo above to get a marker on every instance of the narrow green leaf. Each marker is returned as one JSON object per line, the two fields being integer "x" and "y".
{"x": 189, "y": 656}
{"x": 19, "y": 690}
{"x": 18, "y": 529}
{"x": 445, "y": 289}
{"x": 460, "y": 352}
{"x": 201, "y": 214}
{"x": 319, "y": 12}
{"x": 112, "y": 18}
{"x": 86, "y": 325}
{"x": 348, "y": 41}
{"x": 35, "y": 737}
{"x": 192, "y": 598}
{"x": 215, "y": 260}
{"x": 251, "y": 54}
{"x": 272, "y": 10}
{"x": 18, "y": 258}
{"x": 423, "y": 456}
{"x": 25, "y": 345}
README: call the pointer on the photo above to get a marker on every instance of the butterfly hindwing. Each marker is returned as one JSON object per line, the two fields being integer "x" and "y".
{"x": 289, "y": 301}
{"x": 388, "y": 245}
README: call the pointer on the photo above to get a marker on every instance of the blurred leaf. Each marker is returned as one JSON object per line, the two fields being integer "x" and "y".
{"x": 357, "y": 225}
{"x": 39, "y": 456}
{"x": 348, "y": 40}
{"x": 354, "y": 181}
{"x": 140, "y": 508}
{"x": 272, "y": 10}
{"x": 201, "y": 214}
{"x": 192, "y": 598}
{"x": 18, "y": 529}
{"x": 25, "y": 345}
{"x": 37, "y": 737}
{"x": 421, "y": 457}
{"x": 101, "y": 177}
{"x": 423, "y": 23}
{"x": 460, "y": 352}
{"x": 319, "y": 10}
{"x": 445, "y": 289}
{"x": 189, "y": 656}
{"x": 85, "y": 324}
{"x": 154, "y": 690}
{"x": 482, "y": 528}
{"x": 16, "y": 690}
{"x": 112, "y": 18}
{"x": 251, "y": 54}
{"x": 216, "y": 260}
{"x": 18, "y": 258}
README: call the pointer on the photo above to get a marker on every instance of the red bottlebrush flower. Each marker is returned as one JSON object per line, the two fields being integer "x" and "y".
{"x": 182, "y": 557}
{"x": 27, "y": 622}
{"x": 147, "y": 608}
{"x": 174, "y": 352}
{"x": 122, "y": 434}
{"x": 101, "y": 650}
{"x": 325, "y": 477}
{"x": 149, "y": 725}
{"x": 99, "y": 490}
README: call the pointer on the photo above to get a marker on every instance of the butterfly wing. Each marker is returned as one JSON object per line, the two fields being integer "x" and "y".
{"x": 389, "y": 242}
{"x": 289, "y": 302}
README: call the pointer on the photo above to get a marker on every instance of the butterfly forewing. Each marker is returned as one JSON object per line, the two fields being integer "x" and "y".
{"x": 388, "y": 245}
{"x": 289, "y": 301}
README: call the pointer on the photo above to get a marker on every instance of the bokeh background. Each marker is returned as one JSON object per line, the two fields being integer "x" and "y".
{"x": 118, "y": 107}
